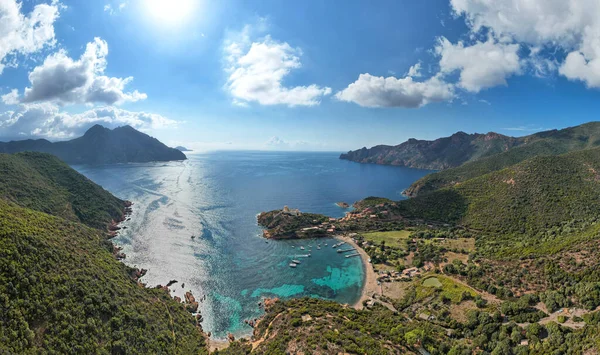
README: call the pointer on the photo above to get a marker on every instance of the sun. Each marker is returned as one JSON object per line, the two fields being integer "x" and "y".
{"x": 170, "y": 12}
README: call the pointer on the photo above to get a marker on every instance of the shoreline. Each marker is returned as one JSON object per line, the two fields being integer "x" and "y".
{"x": 370, "y": 286}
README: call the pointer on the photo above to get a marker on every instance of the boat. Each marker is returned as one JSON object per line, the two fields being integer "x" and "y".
{"x": 319, "y": 248}
{"x": 292, "y": 265}
{"x": 351, "y": 255}
{"x": 302, "y": 248}
{"x": 296, "y": 261}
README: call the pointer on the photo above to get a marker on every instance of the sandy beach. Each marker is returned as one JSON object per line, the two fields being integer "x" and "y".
{"x": 217, "y": 344}
{"x": 370, "y": 286}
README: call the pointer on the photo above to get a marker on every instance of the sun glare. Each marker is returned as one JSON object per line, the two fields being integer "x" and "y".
{"x": 170, "y": 12}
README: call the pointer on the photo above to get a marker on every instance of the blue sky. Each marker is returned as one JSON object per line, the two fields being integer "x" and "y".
{"x": 308, "y": 75}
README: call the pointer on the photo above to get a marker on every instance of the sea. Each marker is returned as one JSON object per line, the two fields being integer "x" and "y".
{"x": 216, "y": 197}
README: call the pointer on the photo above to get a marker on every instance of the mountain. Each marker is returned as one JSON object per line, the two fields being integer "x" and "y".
{"x": 439, "y": 154}
{"x": 100, "y": 145}
{"x": 62, "y": 291}
{"x": 182, "y": 149}
{"x": 460, "y": 148}
{"x": 542, "y": 204}
{"x": 554, "y": 142}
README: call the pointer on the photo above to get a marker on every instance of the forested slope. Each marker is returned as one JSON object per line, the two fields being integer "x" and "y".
{"x": 61, "y": 289}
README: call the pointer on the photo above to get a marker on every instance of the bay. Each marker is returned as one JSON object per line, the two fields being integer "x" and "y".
{"x": 216, "y": 197}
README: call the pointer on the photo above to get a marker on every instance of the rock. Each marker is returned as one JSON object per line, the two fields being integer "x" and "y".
{"x": 342, "y": 204}
{"x": 191, "y": 304}
{"x": 270, "y": 301}
{"x": 230, "y": 337}
{"x": 171, "y": 282}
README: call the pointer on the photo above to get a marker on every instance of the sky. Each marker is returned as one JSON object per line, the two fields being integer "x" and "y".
{"x": 297, "y": 75}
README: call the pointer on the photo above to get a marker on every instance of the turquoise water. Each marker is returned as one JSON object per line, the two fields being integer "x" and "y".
{"x": 216, "y": 197}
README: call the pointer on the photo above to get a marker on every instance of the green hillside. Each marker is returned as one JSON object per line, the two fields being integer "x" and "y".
{"x": 61, "y": 289}
{"x": 544, "y": 201}
{"x": 549, "y": 143}
{"x": 44, "y": 183}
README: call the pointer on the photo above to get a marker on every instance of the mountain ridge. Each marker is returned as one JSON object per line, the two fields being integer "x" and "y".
{"x": 438, "y": 154}
{"x": 461, "y": 148}
{"x": 547, "y": 143}
{"x": 101, "y": 145}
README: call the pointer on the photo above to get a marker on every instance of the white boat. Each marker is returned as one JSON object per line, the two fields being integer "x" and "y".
{"x": 302, "y": 248}
{"x": 296, "y": 261}
{"x": 292, "y": 265}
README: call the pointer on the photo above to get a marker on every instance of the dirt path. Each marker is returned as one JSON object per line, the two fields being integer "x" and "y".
{"x": 256, "y": 343}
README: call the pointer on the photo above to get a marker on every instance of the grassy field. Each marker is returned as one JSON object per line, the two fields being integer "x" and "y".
{"x": 393, "y": 238}
{"x": 467, "y": 244}
{"x": 445, "y": 285}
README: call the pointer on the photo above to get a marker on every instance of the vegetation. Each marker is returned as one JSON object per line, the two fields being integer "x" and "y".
{"x": 550, "y": 143}
{"x": 61, "y": 289}
{"x": 439, "y": 154}
{"x": 280, "y": 224}
{"x": 43, "y": 183}
{"x": 388, "y": 238}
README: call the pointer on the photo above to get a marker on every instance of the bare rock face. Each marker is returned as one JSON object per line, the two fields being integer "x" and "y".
{"x": 439, "y": 154}
{"x": 190, "y": 302}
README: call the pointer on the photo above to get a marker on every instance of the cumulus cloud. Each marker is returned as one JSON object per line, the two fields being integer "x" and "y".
{"x": 25, "y": 34}
{"x": 376, "y": 91}
{"x": 570, "y": 25}
{"x": 46, "y": 120}
{"x": 256, "y": 71}
{"x": 482, "y": 65}
{"x": 276, "y": 142}
{"x": 65, "y": 81}
{"x": 12, "y": 98}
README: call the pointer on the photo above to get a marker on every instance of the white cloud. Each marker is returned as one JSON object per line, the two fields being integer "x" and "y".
{"x": 579, "y": 67}
{"x": 276, "y": 142}
{"x": 570, "y": 25}
{"x": 482, "y": 65}
{"x": 22, "y": 34}
{"x": 112, "y": 10}
{"x": 66, "y": 81}
{"x": 256, "y": 71}
{"x": 12, "y": 98}
{"x": 374, "y": 91}
{"x": 46, "y": 120}
{"x": 415, "y": 70}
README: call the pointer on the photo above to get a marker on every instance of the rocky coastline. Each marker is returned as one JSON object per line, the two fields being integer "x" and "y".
{"x": 190, "y": 302}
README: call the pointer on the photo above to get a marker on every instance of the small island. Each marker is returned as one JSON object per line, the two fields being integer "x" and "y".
{"x": 182, "y": 149}
{"x": 342, "y": 204}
